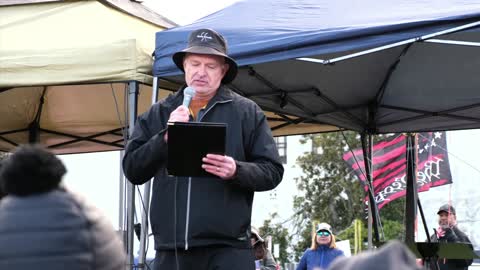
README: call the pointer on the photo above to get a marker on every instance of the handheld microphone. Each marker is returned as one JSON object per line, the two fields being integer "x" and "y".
{"x": 188, "y": 94}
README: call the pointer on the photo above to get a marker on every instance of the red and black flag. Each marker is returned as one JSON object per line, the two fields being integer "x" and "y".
{"x": 389, "y": 165}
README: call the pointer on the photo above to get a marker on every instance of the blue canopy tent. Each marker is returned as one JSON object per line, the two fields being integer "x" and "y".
{"x": 341, "y": 62}
{"x": 368, "y": 66}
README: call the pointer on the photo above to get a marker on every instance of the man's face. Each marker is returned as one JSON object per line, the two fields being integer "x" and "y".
{"x": 204, "y": 73}
{"x": 446, "y": 220}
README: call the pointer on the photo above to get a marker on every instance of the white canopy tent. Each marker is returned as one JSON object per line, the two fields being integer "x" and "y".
{"x": 66, "y": 67}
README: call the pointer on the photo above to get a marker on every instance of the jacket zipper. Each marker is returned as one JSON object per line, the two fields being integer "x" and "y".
{"x": 201, "y": 115}
{"x": 321, "y": 258}
{"x": 188, "y": 211}
{"x": 187, "y": 219}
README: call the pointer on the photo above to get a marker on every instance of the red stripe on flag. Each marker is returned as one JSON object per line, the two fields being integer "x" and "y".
{"x": 376, "y": 147}
{"x": 390, "y": 166}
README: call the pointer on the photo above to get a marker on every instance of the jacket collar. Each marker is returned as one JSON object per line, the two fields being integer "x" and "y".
{"x": 223, "y": 94}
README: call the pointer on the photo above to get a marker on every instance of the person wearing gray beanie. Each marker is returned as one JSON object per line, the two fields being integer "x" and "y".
{"x": 45, "y": 226}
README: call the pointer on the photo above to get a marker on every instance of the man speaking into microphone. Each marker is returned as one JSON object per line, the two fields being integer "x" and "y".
{"x": 204, "y": 222}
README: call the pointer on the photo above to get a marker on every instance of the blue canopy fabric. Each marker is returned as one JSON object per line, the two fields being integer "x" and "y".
{"x": 399, "y": 88}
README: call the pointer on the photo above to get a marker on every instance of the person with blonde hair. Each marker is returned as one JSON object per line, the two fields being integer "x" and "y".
{"x": 323, "y": 250}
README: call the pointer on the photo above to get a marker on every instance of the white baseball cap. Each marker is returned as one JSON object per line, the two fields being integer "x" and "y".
{"x": 324, "y": 227}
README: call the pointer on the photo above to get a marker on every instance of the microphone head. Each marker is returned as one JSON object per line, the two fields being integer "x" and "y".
{"x": 189, "y": 91}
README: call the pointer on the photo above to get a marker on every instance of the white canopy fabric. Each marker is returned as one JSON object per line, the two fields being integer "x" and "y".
{"x": 120, "y": 60}
{"x": 64, "y": 71}
{"x": 73, "y": 41}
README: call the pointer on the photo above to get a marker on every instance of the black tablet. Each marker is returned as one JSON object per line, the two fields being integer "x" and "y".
{"x": 189, "y": 142}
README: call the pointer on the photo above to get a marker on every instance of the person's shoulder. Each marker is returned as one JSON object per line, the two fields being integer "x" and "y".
{"x": 456, "y": 229}
{"x": 338, "y": 252}
{"x": 168, "y": 101}
{"x": 237, "y": 98}
{"x": 460, "y": 233}
{"x": 308, "y": 250}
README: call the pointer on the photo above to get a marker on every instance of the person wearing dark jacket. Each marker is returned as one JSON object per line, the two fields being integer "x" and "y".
{"x": 323, "y": 250}
{"x": 448, "y": 232}
{"x": 204, "y": 222}
{"x": 45, "y": 226}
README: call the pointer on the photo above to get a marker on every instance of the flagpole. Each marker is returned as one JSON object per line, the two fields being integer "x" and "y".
{"x": 411, "y": 194}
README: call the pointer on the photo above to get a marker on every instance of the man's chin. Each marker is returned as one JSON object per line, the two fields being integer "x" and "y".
{"x": 444, "y": 226}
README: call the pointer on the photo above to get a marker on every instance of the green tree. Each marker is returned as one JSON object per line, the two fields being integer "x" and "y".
{"x": 392, "y": 217}
{"x": 332, "y": 193}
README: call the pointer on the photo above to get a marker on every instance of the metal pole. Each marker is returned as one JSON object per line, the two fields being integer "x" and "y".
{"x": 132, "y": 104}
{"x": 121, "y": 205}
{"x": 411, "y": 196}
{"x": 370, "y": 221}
{"x": 146, "y": 199}
{"x": 367, "y": 159}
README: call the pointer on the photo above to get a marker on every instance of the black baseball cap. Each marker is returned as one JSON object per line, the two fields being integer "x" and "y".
{"x": 446, "y": 208}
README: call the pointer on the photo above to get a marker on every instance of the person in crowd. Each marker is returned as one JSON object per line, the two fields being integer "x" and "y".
{"x": 323, "y": 250}
{"x": 204, "y": 222}
{"x": 448, "y": 232}
{"x": 45, "y": 226}
{"x": 263, "y": 256}
{"x": 392, "y": 256}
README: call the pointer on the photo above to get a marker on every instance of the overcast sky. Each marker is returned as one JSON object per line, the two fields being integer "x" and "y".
{"x": 187, "y": 11}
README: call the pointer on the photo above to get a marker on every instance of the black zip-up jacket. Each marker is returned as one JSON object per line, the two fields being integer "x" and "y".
{"x": 204, "y": 211}
{"x": 453, "y": 235}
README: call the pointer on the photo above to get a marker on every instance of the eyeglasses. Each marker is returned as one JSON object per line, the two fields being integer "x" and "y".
{"x": 323, "y": 233}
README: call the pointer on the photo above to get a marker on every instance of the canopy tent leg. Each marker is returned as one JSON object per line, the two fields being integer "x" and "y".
{"x": 132, "y": 115}
{"x": 411, "y": 196}
{"x": 367, "y": 144}
{"x": 121, "y": 196}
{"x": 146, "y": 199}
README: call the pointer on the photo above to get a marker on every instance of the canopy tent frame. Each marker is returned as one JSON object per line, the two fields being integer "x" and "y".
{"x": 34, "y": 129}
{"x": 396, "y": 44}
{"x": 284, "y": 95}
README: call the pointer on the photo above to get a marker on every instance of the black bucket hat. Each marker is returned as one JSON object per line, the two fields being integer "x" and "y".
{"x": 207, "y": 41}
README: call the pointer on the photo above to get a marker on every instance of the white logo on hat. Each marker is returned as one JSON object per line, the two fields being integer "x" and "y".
{"x": 204, "y": 36}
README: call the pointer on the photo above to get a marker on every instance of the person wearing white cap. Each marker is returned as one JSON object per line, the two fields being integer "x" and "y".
{"x": 323, "y": 250}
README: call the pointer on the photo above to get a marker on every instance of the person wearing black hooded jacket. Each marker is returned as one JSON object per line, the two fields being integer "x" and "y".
{"x": 204, "y": 222}
{"x": 448, "y": 232}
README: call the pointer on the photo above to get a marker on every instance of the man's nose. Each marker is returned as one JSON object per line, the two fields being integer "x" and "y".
{"x": 202, "y": 70}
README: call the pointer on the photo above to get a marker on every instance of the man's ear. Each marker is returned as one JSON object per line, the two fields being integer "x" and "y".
{"x": 225, "y": 68}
